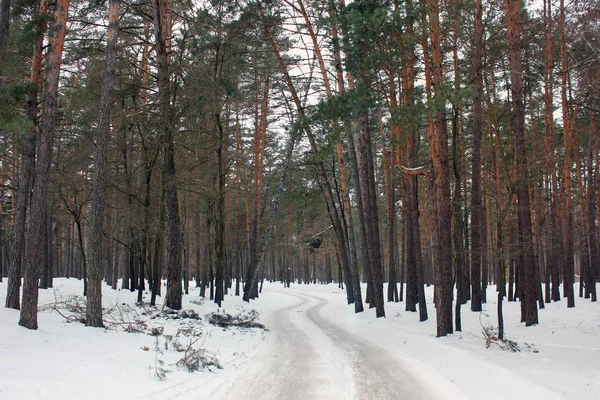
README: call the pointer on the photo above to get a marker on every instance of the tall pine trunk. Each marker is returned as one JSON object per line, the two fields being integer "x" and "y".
{"x": 350, "y": 238}
{"x": 476, "y": 204}
{"x": 414, "y": 258}
{"x": 369, "y": 203}
{"x": 95, "y": 250}
{"x": 35, "y": 232}
{"x": 529, "y": 273}
{"x": 554, "y": 250}
{"x": 220, "y": 220}
{"x": 17, "y": 239}
{"x": 569, "y": 270}
{"x": 161, "y": 33}
{"x": 443, "y": 202}
{"x": 592, "y": 196}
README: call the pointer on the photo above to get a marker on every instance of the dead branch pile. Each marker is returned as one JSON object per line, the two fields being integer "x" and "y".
{"x": 179, "y": 314}
{"x": 73, "y": 309}
{"x": 243, "y": 320}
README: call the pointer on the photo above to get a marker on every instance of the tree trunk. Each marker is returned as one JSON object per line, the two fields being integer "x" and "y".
{"x": 220, "y": 223}
{"x": 442, "y": 196}
{"x": 49, "y": 276}
{"x": 390, "y": 200}
{"x": 95, "y": 250}
{"x": 44, "y": 265}
{"x": 458, "y": 171}
{"x": 358, "y": 302}
{"x": 569, "y": 270}
{"x": 592, "y": 275}
{"x": 17, "y": 243}
{"x": 554, "y": 250}
{"x": 157, "y": 263}
{"x": 369, "y": 202}
{"x": 33, "y": 249}
{"x": 476, "y": 206}
{"x": 414, "y": 260}
{"x": 114, "y": 274}
{"x": 161, "y": 33}
{"x": 529, "y": 269}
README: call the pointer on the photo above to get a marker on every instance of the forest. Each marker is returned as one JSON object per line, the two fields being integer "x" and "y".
{"x": 221, "y": 144}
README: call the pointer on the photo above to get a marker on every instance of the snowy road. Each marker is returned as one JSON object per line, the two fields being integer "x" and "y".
{"x": 317, "y": 348}
{"x": 307, "y": 357}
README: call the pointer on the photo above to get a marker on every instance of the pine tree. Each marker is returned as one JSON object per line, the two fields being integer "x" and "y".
{"x": 35, "y": 232}
{"x": 94, "y": 278}
{"x": 529, "y": 273}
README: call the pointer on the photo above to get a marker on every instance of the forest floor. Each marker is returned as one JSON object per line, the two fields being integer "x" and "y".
{"x": 315, "y": 348}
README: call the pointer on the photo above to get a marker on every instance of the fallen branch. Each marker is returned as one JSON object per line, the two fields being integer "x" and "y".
{"x": 244, "y": 320}
{"x": 490, "y": 337}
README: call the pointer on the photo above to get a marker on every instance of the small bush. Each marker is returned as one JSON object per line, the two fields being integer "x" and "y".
{"x": 196, "y": 359}
{"x": 160, "y": 372}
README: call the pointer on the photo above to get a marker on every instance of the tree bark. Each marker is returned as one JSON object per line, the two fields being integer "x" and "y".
{"x": 390, "y": 200}
{"x": 554, "y": 250}
{"x": 220, "y": 223}
{"x": 95, "y": 250}
{"x": 370, "y": 211}
{"x": 161, "y": 33}
{"x": 347, "y": 208}
{"x": 529, "y": 273}
{"x": 592, "y": 195}
{"x": 569, "y": 271}
{"x": 414, "y": 260}
{"x": 17, "y": 242}
{"x": 35, "y": 234}
{"x": 476, "y": 206}
{"x": 260, "y": 129}
{"x": 44, "y": 264}
{"x": 439, "y": 154}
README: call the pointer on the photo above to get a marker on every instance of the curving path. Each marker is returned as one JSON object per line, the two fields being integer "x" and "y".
{"x": 307, "y": 357}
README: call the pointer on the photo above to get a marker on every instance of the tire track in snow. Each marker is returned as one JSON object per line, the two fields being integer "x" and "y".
{"x": 376, "y": 373}
{"x": 310, "y": 358}
{"x": 293, "y": 365}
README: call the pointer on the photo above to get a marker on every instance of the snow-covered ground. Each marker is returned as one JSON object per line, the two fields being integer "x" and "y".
{"x": 64, "y": 360}
{"x": 560, "y": 357}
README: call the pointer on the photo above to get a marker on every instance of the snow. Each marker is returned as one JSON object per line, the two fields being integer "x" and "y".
{"x": 315, "y": 340}
{"x": 64, "y": 360}
{"x": 562, "y": 363}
